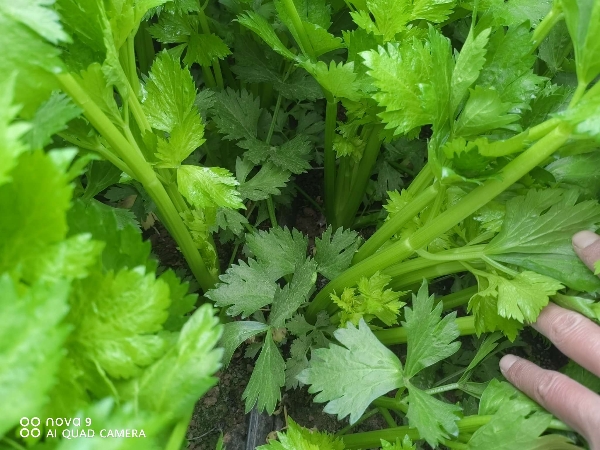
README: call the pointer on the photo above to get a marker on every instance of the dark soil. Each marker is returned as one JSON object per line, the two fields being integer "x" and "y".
{"x": 540, "y": 350}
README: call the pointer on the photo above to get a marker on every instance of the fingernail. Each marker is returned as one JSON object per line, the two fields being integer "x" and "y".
{"x": 506, "y": 363}
{"x": 584, "y": 239}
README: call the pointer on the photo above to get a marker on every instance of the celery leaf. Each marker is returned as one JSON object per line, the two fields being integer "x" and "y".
{"x": 524, "y": 296}
{"x": 33, "y": 209}
{"x": 255, "y": 64}
{"x": 100, "y": 175}
{"x": 245, "y": 288}
{"x": 260, "y": 26}
{"x": 31, "y": 339}
{"x": 263, "y": 389}
{"x": 413, "y": 80}
{"x": 334, "y": 253}
{"x": 430, "y": 337}
{"x": 288, "y": 299}
{"x": 293, "y": 155}
{"x": 583, "y": 21}
{"x": 567, "y": 269}
{"x": 350, "y": 376}
{"x": 173, "y": 384}
{"x": 206, "y": 187}
{"x": 585, "y": 116}
{"x": 336, "y": 80}
{"x": 268, "y": 181}
{"x": 279, "y": 248}
{"x": 235, "y": 333}
{"x": 579, "y": 171}
{"x": 405, "y": 444}
{"x": 483, "y": 112}
{"x": 171, "y": 93}
{"x": 236, "y": 115}
{"x": 469, "y": 63}
{"x": 182, "y": 302}
{"x": 543, "y": 222}
{"x": 299, "y": 438}
{"x": 372, "y": 301}
{"x": 484, "y": 306}
{"x": 170, "y": 107}
{"x": 93, "y": 80}
{"x": 11, "y": 133}
{"x": 508, "y": 67}
{"x": 173, "y": 28}
{"x": 516, "y": 421}
{"x": 582, "y": 376}
{"x": 115, "y": 317}
{"x": 435, "y": 420}
{"x": 51, "y": 118}
{"x": 390, "y": 17}
{"x": 433, "y": 11}
{"x": 184, "y": 138}
{"x": 68, "y": 259}
{"x": 36, "y": 15}
{"x": 320, "y": 39}
{"x": 317, "y": 12}
{"x": 125, "y": 247}
{"x": 204, "y": 49}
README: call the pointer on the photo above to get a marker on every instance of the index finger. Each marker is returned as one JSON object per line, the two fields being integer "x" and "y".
{"x": 587, "y": 247}
{"x": 573, "y": 334}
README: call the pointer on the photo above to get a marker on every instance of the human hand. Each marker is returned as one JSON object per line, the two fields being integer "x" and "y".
{"x": 578, "y": 338}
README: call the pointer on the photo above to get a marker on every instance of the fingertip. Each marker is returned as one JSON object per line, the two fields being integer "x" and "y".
{"x": 584, "y": 239}
{"x": 506, "y": 363}
{"x": 587, "y": 246}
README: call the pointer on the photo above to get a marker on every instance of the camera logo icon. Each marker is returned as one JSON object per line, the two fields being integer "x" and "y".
{"x": 30, "y": 427}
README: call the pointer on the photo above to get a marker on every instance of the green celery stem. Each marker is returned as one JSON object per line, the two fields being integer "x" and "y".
{"x": 390, "y": 403}
{"x": 581, "y": 87}
{"x": 343, "y": 179}
{"x": 271, "y": 209}
{"x": 143, "y": 172}
{"x": 398, "y": 335}
{"x": 368, "y": 220}
{"x": 329, "y": 160}
{"x": 216, "y": 65}
{"x": 144, "y": 48}
{"x": 270, "y": 205}
{"x": 209, "y": 79}
{"x": 468, "y": 424}
{"x": 367, "y": 415}
{"x": 290, "y": 9}
{"x": 545, "y": 26}
{"x": 387, "y": 416}
{"x": 359, "y": 185}
{"x": 421, "y": 181}
{"x": 411, "y": 278}
{"x": 178, "y": 434}
{"x": 470, "y": 203}
{"x": 134, "y": 81}
{"x": 395, "y": 224}
{"x": 435, "y": 271}
{"x": 459, "y": 298}
{"x": 138, "y": 113}
{"x": 371, "y": 439}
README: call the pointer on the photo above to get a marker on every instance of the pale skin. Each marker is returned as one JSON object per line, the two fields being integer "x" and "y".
{"x": 578, "y": 338}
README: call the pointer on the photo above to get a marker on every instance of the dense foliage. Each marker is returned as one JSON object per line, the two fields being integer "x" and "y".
{"x": 457, "y": 145}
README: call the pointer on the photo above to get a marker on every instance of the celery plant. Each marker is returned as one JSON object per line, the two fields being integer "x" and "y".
{"x": 463, "y": 136}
